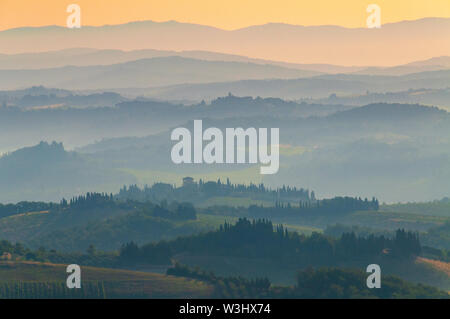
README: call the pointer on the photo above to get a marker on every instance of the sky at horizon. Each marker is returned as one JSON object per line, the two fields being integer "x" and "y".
{"x": 229, "y": 15}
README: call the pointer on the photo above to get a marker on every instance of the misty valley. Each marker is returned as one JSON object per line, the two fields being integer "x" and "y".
{"x": 169, "y": 160}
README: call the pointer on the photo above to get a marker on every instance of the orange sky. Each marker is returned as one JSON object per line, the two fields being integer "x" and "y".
{"x": 229, "y": 14}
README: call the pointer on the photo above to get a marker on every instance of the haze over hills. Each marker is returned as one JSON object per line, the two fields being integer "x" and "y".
{"x": 340, "y": 156}
{"x": 43, "y": 98}
{"x": 369, "y": 147}
{"x": 178, "y": 78}
{"x": 89, "y": 57}
{"x": 433, "y": 64}
{"x": 393, "y": 44}
{"x": 46, "y": 172}
{"x": 154, "y": 72}
{"x": 313, "y": 87}
{"x": 39, "y": 97}
{"x": 431, "y": 97}
{"x": 86, "y": 57}
{"x": 26, "y": 121}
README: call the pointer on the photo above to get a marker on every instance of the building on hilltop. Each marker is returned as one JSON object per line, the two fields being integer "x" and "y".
{"x": 188, "y": 181}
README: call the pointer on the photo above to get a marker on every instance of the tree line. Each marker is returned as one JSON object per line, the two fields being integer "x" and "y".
{"x": 334, "y": 205}
{"x": 262, "y": 239}
{"x": 192, "y": 191}
{"x": 171, "y": 211}
{"x": 24, "y": 207}
{"x": 225, "y": 287}
{"x": 320, "y": 283}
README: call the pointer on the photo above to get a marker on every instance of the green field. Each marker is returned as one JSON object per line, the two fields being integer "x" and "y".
{"x": 213, "y": 221}
{"x": 394, "y": 220}
{"x": 381, "y": 220}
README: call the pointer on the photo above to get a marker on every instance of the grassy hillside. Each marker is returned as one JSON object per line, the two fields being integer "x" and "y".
{"x": 373, "y": 219}
{"x": 435, "y": 208}
{"x": 421, "y": 270}
{"x": 108, "y": 229}
{"x": 440, "y": 266}
{"x": 116, "y": 283}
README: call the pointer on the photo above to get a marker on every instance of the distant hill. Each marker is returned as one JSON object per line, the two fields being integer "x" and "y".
{"x": 86, "y": 57}
{"x": 392, "y": 44}
{"x": 47, "y": 171}
{"x": 34, "y": 91}
{"x": 39, "y": 97}
{"x": 322, "y": 86}
{"x": 436, "y": 97}
{"x": 433, "y": 64}
{"x": 384, "y": 112}
{"x": 90, "y": 57}
{"x": 153, "y": 72}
